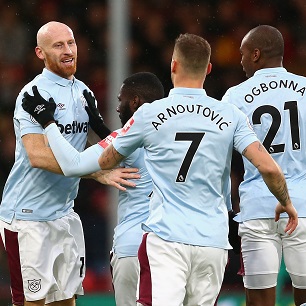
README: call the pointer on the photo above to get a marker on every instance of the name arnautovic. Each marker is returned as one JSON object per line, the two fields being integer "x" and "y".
{"x": 191, "y": 108}
{"x": 263, "y": 87}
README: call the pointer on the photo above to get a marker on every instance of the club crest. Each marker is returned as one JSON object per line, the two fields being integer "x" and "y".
{"x": 34, "y": 285}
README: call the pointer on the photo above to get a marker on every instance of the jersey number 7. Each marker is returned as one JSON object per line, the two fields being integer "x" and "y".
{"x": 195, "y": 139}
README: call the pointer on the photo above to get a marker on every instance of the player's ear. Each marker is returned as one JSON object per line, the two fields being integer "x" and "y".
{"x": 256, "y": 55}
{"x": 135, "y": 103}
{"x": 173, "y": 65}
{"x": 209, "y": 67}
{"x": 39, "y": 53}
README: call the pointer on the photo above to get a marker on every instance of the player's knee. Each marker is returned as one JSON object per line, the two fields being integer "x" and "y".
{"x": 298, "y": 281}
{"x": 260, "y": 281}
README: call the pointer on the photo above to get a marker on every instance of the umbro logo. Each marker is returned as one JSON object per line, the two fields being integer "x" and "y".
{"x": 39, "y": 108}
{"x": 61, "y": 106}
{"x": 33, "y": 120}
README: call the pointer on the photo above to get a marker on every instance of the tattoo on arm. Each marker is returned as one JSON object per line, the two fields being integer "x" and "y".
{"x": 260, "y": 149}
{"x": 110, "y": 158}
{"x": 117, "y": 156}
{"x": 282, "y": 191}
{"x": 275, "y": 181}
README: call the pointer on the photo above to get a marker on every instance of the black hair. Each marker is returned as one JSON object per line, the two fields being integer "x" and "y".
{"x": 146, "y": 85}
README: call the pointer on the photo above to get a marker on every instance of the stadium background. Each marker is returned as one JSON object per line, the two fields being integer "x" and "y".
{"x": 116, "y": 38}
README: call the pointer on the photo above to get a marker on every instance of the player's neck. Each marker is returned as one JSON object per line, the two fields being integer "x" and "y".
{"x": 188, "y": 83}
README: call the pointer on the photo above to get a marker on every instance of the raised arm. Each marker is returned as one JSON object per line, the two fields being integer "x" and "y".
{"x": 275, "y": 180}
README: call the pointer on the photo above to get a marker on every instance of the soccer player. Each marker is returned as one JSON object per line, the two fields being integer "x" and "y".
{"x": 133, "y": 205}
{"x": 188, "y": 140}
{"x": 42, "y": 234}
{"x": 274, "y": 101}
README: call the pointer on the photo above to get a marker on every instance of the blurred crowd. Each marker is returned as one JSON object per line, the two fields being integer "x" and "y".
{"x": 154, "y": 26}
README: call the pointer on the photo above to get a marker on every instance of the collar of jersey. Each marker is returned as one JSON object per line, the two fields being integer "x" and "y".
{"x": 186, "y": 90}
{"x": 270, "y": 70}
{"x": 56, "y": 78}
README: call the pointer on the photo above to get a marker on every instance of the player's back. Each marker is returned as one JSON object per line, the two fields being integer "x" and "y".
{"x": 275, "y": 102}
{"x": 188, "y": 140}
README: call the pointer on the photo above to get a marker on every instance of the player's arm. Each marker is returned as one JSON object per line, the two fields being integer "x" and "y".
{"x": 125, "y": 142}
{"x": 110, "y": 158}
{"x": 71, "y": 161}
{"x": 96, "y": 121}
{"x": 40, "y": 156}
{"x": 85, "y": 164}
{"x": 116, "y": 177}
{"x": 67, "y": 158}
{"x": 274, "y": 179}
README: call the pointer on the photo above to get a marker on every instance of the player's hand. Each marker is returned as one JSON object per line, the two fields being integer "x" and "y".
{"x": 95, "y": 119}
{"x": 292, "y": 214}
{"x": 40, "y": 109}
{"x": 233, "y": 237}
{"x": 117, "y": 177}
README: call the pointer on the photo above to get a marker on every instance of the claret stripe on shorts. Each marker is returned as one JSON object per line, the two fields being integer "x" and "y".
{"x": 145, "y": 284}
{"x": 12, "y": 249}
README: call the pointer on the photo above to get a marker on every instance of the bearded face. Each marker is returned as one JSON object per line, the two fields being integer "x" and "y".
{"x": 56, "y": 46}
{"x": 63, "y": 65}
{"x": 124, "y": 107}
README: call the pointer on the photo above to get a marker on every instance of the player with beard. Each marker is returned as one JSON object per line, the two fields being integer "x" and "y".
{"x": 133, "y": 205}
{"x": 188, "y": 139}
{"x": 42, "y": 234}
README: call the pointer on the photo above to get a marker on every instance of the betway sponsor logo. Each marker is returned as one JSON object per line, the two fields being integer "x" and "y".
{"x": 73, "y": 128}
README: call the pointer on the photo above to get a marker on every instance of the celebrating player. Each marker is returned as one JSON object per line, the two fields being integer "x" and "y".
{"x": 274, "y": 101}
{"x": 133, "y": 205}
{"x": 188, "y": 140}
{"x": 42, "y": 234}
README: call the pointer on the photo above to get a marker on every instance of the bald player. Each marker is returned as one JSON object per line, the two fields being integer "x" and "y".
{"x": 42, "y": 234}
{"x": 274, "y": 101}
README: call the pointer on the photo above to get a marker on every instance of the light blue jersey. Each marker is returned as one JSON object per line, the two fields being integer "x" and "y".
{"x": 133, "y": 204}
{"x": 35, "y": 194}
{"x": 275, "y": 103}
{"x": 133, "y": 208}
{"x": 188, "y": 139}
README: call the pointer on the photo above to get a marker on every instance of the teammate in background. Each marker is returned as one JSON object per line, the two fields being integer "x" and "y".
{"x": 188, "y": 140}
{"x": 42, "y": 234}
{"x": 133, "y": 205}
{"x": 274, "y": 101}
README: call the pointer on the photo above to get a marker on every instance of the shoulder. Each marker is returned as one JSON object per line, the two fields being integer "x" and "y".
{"x": 42, "y": 85}
{"x": 296, "y": 76}
{"x": 241, "y": 86}
{"x": 81, "y": 84}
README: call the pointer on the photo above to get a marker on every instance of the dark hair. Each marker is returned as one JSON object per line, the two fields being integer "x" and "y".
{"x": 146, "y": 85}
{"x": 194, "y": 52}
{"x": 268, "y": 40}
